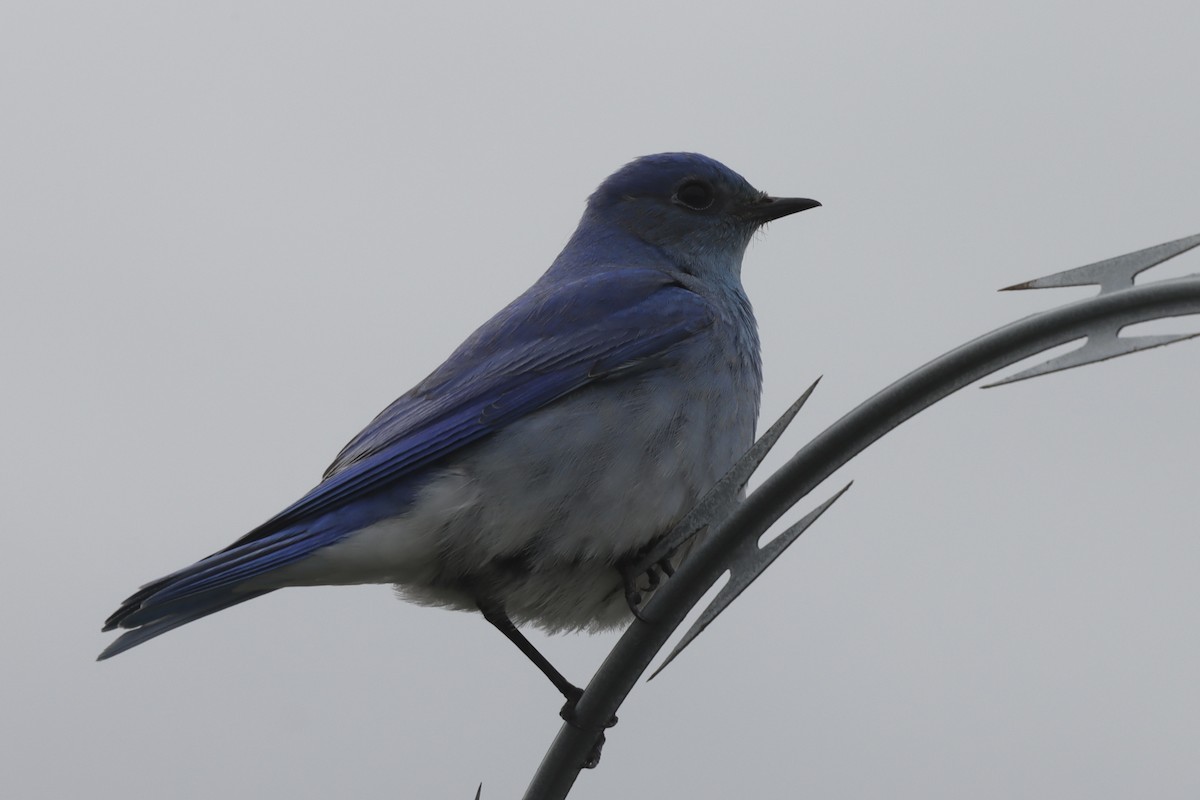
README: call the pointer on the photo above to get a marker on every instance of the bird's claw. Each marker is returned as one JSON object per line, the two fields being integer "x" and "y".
{"x": 593, "y": 758}
{"x": 655, "y": 573}
{"x": 568, "y": 714}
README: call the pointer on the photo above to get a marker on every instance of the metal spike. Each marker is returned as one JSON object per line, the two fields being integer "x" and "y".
{"x": 479, "y": 791}
{"x": 1112, "y": 274}
{"x": 720, "y": 499}
{"x": 747, "y": 565}
{"x": 1099, "y": 347}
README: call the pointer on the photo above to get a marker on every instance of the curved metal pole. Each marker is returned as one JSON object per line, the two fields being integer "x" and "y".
{"x": 846, "y": 438}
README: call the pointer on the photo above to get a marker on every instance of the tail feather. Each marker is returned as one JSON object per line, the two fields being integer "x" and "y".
{"x": 236, "y": 574}
{"x": 215, "y": 575}
{"x": 211, "y": 584}
{"x": 201, "y": 606}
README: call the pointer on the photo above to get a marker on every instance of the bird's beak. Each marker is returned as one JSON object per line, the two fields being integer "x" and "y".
{"x": 767, "y": 208}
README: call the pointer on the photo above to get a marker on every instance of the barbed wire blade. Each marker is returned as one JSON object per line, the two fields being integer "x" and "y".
{"x": 749, "y": 563}
{"x": 1112, "y": 274}
{"x": 720, "y": 499}
{"x": 1099, "y": 347}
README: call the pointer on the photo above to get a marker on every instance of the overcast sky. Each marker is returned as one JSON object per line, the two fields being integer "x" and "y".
{"x": 231, "y": 232}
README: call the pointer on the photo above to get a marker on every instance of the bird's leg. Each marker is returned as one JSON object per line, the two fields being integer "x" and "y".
{"x": 654, "y": 576}
{"x": 495, "y": 614}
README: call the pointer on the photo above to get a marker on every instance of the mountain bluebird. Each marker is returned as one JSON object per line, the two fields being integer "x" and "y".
{"x": 558, "y": 442}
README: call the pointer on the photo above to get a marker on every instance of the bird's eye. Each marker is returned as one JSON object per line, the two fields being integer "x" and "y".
{"x": 696, "y": 195}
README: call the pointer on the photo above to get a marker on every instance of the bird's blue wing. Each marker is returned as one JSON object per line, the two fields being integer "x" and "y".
{"x": 549, "y": 342}
{"x": 557, "y": 337}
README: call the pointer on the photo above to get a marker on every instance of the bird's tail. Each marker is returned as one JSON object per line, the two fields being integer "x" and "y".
{"x": 213, "y": 584}
{"x": 199, "y": 606}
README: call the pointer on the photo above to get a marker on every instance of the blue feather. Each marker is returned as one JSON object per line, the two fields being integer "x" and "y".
{"x": 538, "y": 349}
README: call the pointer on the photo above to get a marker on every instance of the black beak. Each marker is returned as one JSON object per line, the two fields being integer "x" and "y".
{"x": 767, "y": 208}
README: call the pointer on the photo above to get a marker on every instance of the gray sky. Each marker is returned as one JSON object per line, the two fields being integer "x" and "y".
{"x": 232, "y": 232}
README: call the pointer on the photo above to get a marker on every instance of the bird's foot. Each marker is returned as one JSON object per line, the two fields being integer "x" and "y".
{"x": 655, "y": 574}
{"x": 569, "y": 716}
{"x": 567, "y": 712}
{"x": 593, "y": 757}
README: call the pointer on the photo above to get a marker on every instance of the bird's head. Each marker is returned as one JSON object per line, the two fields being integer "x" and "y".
{"x": 699, "y": 213}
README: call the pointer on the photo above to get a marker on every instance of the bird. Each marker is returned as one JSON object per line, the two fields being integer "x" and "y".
{"x": 559, "y": 441}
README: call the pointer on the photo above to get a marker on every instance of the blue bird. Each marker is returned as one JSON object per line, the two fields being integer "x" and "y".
{"x": 559, "y": 441}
